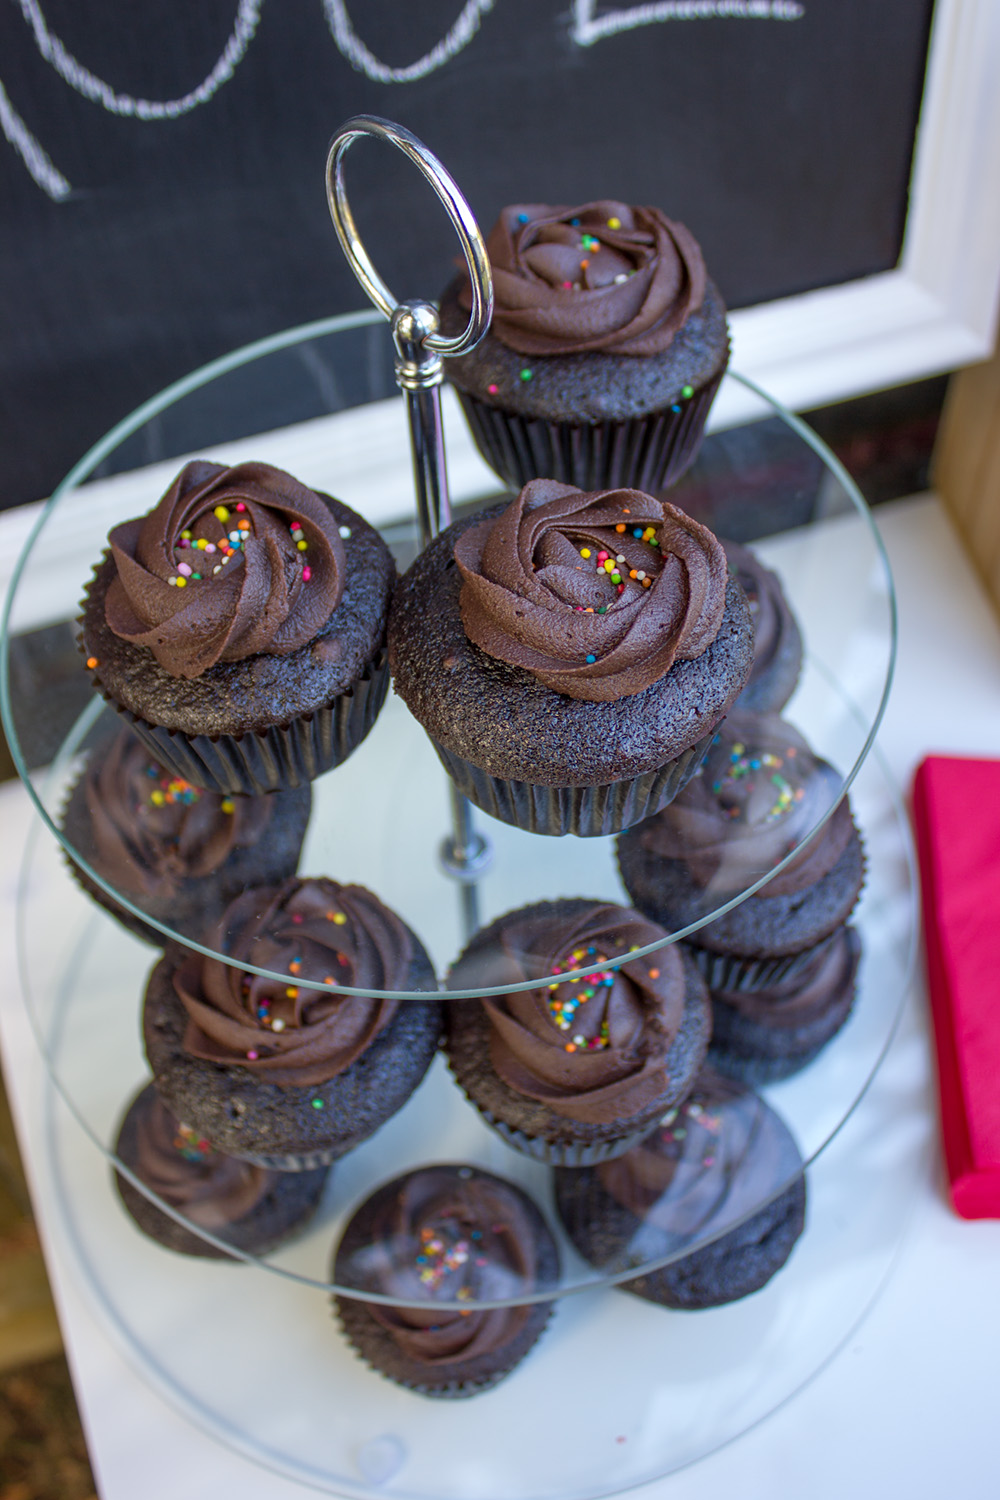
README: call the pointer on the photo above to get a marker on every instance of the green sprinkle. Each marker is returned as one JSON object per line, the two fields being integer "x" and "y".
{"x": 687, "y": 392}
{"x": 526, "y": 374}
{"x": 316, "y": 1103}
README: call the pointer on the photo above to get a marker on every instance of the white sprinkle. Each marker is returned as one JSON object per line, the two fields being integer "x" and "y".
{"x": 277, "y": 1024}
{"x": 620, "y": 278}
{"x": 217, "y": 568}
{"x": 345, "y": 531}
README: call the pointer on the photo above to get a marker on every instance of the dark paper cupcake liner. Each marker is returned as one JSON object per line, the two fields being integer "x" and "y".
{"x": 732, "y": 971}
{"x": 758, "y": 1071}
{"x": 644, "y": 453}
{"x": 567, "y": 1153}
{"x": 352, "y": 1315}
{"x": 587, "y": 811}
{"x": 301, "y": 1161}
{"x": 289, "y": 756}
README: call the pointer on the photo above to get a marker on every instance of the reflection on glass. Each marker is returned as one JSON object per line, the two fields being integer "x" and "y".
{"x": 700, "y": 1177}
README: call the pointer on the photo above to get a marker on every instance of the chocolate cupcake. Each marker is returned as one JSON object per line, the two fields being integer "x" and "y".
{"x": 759, "y": 795}
{"x": 777, "y": 642}
{"x": 766, "y": 1034}
{"x": 252, "y": 1209}
{"x": 578, "y": 1069}
{"x": 445, "y": 1234}
{"x": 570, "y": 654}
{"x": 178, "y": 853}
{"x": 606, "y": 349}
{"x": 239, "y": 627}
{"x": 721, "y": 1174}
{"x": 275, "y": 1071}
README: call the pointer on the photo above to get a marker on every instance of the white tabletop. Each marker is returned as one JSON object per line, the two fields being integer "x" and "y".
{"x": 907, "y": 1408}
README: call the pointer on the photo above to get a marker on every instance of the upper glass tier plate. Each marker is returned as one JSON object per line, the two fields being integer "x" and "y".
{"x": 384, "y": 812}
{"x": 379, "y": 820}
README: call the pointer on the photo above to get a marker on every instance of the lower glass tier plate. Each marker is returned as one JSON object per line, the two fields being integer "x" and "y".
{"x": 616, "y": 1393}
{"x": 85, "y": 976}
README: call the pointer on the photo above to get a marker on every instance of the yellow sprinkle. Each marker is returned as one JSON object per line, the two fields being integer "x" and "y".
{"x": 584, "y": 551}
{"x": 302, "y": 546}
{"x": 339, "y": 918}
{"x": 157, "y": 798}
{"x": 614, "y": 223}
{"x": 227, "y": 806}
{"x": 182, "y": 583}
{"x": 292, "y": 992}
{"x": 222, "y": 513}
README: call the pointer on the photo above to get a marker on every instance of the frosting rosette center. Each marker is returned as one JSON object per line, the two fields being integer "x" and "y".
{"x": 448, "y": 1235}
{"x": 759, "y": 794}
{"x": 594, "y": 1049}
{"x": 603, "y": 276}
{"x": 286, "y": 1030}
{"x": 210, "y": 1189}
{"x": 596, "y": 594}
{"x": 232, "y": 562}
{"x": 155, "y": 830}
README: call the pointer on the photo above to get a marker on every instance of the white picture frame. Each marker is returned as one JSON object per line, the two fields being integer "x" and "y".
{"x": 937, "y": 310}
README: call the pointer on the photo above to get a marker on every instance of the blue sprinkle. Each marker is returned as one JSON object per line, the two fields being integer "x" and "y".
{"x": 575, "y": 223}
{"x": 522, "y": 218}
{"x": 675, "y": 408}
{"x": 591, "y": 658}
{"x": 637, "y": 531}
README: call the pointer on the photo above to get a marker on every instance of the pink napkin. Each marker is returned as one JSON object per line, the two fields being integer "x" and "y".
{"x": 956, "y": 813}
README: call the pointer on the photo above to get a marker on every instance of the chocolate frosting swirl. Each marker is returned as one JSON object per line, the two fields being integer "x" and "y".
{"x": 536, "y": 592}
{"x": 756, "y": 797}
{"x": 604, "y": 276}
{"x": 210, "y": 1189}
{"x": 594, "y": 1049}
{"x": 152, "y": 830}
{"x": 715, "y": 1159}
{"x": 231, "y": 563}
{"x": 282, "y": 1030}
{"x": 450, "y": 1234}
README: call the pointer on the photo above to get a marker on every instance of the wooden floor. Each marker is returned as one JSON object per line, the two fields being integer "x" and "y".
{"x": 29, "y": 1330}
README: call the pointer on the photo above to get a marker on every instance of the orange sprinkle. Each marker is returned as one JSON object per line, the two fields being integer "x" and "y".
{"x": 584, "y": 264}
{"x": 626, "y": 511}
{"x": 633, "y": 572}
{"x": 620, "y": 528}
{"x": 654, "y": 973}
{"x": 647, "y": 583}
{"x": 91, "y": 662}
{"x": 570, "y": 1047}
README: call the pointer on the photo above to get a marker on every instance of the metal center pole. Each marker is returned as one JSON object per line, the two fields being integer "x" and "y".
{"x": 466, "y": 854}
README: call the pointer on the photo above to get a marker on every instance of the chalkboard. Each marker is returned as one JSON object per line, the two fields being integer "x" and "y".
{"x": 162, "y": 167}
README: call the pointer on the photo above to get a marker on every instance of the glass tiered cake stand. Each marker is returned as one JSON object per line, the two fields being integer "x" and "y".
{"x": 618, "y": 1391}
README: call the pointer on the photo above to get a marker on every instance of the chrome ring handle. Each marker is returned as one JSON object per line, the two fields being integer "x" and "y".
{"x": 456, "y": 206}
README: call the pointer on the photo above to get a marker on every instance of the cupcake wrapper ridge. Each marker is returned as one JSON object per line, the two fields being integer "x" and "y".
{"x": 587, "y": 811}
{"x": 566, "y": 1153}
{"x": 258, "y": 762}
{"x": 645, "y": 453}
{"x": 728, "y": 971}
